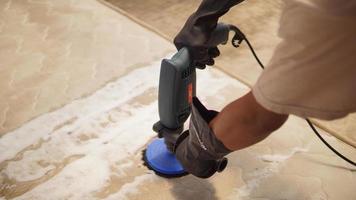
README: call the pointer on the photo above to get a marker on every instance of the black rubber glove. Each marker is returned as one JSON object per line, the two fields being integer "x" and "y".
{"x": 198, "y": 149}
{"x": 170, "y": 138}
{"x": 197, "y": 29}
{"x": 170, "y": 135}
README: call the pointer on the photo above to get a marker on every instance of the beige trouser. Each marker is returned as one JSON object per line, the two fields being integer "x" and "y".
{"x": 313, "y": 71}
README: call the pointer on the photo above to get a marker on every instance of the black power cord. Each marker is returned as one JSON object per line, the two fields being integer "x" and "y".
{"x": 236, "y": 41}
{"x": 328, "y": 145}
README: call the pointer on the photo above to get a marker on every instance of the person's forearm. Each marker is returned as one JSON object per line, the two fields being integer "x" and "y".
{"x": 244, "y": 122}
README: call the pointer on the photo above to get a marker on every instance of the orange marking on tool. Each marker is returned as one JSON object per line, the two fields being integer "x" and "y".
{"x": 190, "y": 93}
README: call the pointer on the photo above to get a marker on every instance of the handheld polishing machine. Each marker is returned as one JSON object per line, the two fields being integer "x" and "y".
{"x": 177, "y": 83}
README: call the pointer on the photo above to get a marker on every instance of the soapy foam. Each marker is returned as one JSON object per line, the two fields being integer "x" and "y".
{"x": 103, "y": 130}
{"x": 258, "y": 176}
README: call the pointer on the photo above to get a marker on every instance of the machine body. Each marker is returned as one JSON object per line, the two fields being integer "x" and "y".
{"x": 177, "y": 87}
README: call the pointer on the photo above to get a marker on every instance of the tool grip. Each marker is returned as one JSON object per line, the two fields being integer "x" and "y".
{"x": 220, "y": 35}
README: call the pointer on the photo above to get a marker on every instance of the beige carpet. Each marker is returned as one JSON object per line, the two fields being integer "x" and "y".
{"x": 258, "y": 19}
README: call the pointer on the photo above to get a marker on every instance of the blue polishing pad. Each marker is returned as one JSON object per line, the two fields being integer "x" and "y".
{"x": 161, "y": 160}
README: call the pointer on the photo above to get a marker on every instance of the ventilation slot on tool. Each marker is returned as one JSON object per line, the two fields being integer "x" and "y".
{"x": 186, "y": 73}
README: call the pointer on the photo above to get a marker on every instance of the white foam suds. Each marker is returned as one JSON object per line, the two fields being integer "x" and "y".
{"x": 281, "y": 157}
{"x": 91, "y": 135}
{"x": 112, "y": 95}
{"x": 256, "y": 178}
{"x": 260, "y": 175}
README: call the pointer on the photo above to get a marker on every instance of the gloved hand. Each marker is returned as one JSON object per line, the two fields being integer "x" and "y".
{"x": 170, "y": 138}
{"x": 170, "y": 135}
{"x": 196, "y": 32}
{"x": 198, "y": 150}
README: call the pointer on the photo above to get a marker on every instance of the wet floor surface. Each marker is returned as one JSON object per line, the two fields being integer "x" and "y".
{"x": 81, "y": 137}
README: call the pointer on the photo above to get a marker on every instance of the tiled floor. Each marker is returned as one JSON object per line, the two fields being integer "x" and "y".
{"x": 78, "y": 88}
{"x": 53, "y": 52}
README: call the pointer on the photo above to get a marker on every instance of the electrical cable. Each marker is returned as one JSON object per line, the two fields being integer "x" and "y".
{"x": 241, "y": 37}
{"x": 328, "y": 145}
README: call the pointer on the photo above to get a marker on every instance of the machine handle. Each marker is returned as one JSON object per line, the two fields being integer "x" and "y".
{"x": 220, "y": 35}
